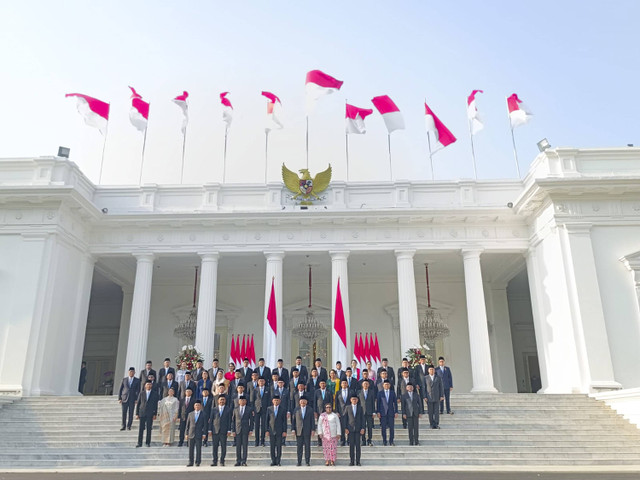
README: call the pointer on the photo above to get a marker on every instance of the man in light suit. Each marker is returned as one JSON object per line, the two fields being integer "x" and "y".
{"x": 303, "y": 427}
{"x": 187, "y": 383}
{"x": 435, "y": 394}
{"x": 444, "y": 373}
{"x": 241, "y": 428}
{"x": 220, "y": 428}
{"x": 197, "y": 428}
{"x": 128, "y": 397}
{"x": 146, "y": 411}
{"x": 186, "y": 407}
{"x": 354, "y": 428}
{"x": 276, "y": 429}
{"x": 302, "y": 369}
{"x": 411, "y": 408}
{"x": 387, "y": 405}
{"x": 367, "y": 399}
{"x": 213, "y": 371}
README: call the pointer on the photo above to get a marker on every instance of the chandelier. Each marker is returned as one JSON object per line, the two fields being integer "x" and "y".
{"x": 309, "y": 329}
{"x": 187, "y": 327}
{"x": 432, "y": 327}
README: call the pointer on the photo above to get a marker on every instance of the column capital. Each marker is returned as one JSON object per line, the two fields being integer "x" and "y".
{"x": 339, "y": 254}
{"x": 144, "y": 257}
{"x": 274, "y": 254}
{"x": 468, "y": 253}
{"x": 405, "y": 253}
{"x": 579, "y": 228}
{"x": 211, "y": 256}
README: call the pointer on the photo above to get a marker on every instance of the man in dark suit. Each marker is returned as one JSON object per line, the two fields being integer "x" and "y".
{"x": 220, "y": 428}
{"x": 340, "y": 373}
{"x": 263, "y": 371}
{"x": 166, "y": 368}
{"x": 241, "y": 428}
{"x": 391, "y": 376}
{"x": 343, "y": 398}
{"x": 420, "y": 374}
{"x": 382, "y": 377}
{"x": 128, "y": 397}
{"x": 276, "y": 429}
{"x": 322, "y": 396}
{"x": 411, "y": 408}
{"x": 303, "y": 427}
{"x": 186, "y": 407}
{"x": 314, "y": 382}
{"x": 295, "y": 380}
{"x": 367, "y": 399}
{"x": 322, "y": 373}
{"x": 168, "y": 383}
{"x": 435, "y": 394}
{"x": 294, "y": 396}
{"x": 187, "y": 383}
{"x": 246, "y": 370}
{"x": 282, "y": 372}
{"x": 197, "y": 428}
{"x": 387, "y": 406}
{"x": 365, "y": 379}
{"x": 302, "y": 369}
{"x": 444, "y": 373}
{"x": 352, "y": 382}
{"x": 144, "y": 374}
{"x": 261, "y": 400}
{"x": 213, "y": 371}
{"x": 197, "y": 372}
{"x": 207, "y": 405}
{"x": 354, "y": 428}
{"x": 146, "y": 411}
{"x": 405, "y": 379}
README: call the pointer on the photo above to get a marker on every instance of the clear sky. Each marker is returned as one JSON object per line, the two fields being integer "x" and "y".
{"x": 574, "y": 63}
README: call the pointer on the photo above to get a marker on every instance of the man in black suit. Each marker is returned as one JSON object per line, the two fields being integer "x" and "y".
{"x": 367, "y": 399}
{"x": 387, "y": 406}
{"x": 365, "y": 379}
{"x": 186, "y": 407}
{"x": 322, "y": 373}
{"x": 340, "y": 373}
{"x": 313, "y": 383}
{"x": 420, "y": 374}
{"x": 343, "y": 398}
{"x": 276, "y": 429}
{"x": 391, "y": 376}
{"x": 354, "y": 428}
{"x": 207, "y": 405}
{"x": 302, "y": 369}
{"x": 241, "y": 428}
{"x": 404, "y": 380}
{"x": 197, "y": 372}
{"x": 166, "y": 368}
{"x": 261, "y": 400}
{"x": 220, "y": 428}
{"x": 197, "y": 428}
{"x": 444, "y": 373}
{"x": 352, "y": 383}
{"x": 168, "y": 383}
{"x": 128, "y": 397}
{"x": 283, "y": 373}
{"x": 144, "y": 374}
{"x": 411, "y": 408}
{"x": 322, "y": 396}
{"x": 263, "y": 371}
{"x": 435, "y": 394}
{"x": 146, "y": 411}
{"x": 295, "y": 380}
{"x": 246, "y": 370}
{"x": 303, "y": 427}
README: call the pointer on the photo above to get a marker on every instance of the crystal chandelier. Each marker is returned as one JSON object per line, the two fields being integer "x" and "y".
{"x": 309, "y": 329}
{"x": 432, "y": 327}
{"x": 186, "y": 329}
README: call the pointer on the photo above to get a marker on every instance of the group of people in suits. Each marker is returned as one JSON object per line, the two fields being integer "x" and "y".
{"x": 242, "y": 403}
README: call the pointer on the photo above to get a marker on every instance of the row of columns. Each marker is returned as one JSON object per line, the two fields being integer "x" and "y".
{"x": 407, "y": 302}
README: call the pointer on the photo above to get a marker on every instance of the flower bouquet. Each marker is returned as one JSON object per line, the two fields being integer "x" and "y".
{"x": 190, "y": 355}
{"x": 413, "y": 355}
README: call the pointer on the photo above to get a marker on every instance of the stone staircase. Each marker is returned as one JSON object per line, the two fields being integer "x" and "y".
{"x": 501, "y": 429}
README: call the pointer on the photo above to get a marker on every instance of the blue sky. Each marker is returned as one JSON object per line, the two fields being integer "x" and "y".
{"x": 575, "y": 64}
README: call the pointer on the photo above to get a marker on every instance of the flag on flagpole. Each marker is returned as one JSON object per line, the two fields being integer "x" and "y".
{"x": 274, "y": 108}
{"x": 95, "y": 113}
{"x": 377, "y": 363}
{"x": 243, "y": 349}
{"x": 354, "y": 118}
{"x": 519, "y": 114}
{"x": 318, "y": 84}
{"x": 390, "y": 113}
{"x": 356, "y": 353}
{"x": 139, "y": 112}
{"x": 442, "y": 134}
{"x": 475, "y": 121}
{"x": 362, "y": 357}
{"x": 252, "y": 354}
{"x": 367, "y": 349}
{"x": 232, "y": 350}
{"x": 271, "y": 328}
{"x": 227, "y": 109}
{"x": 340, "y": 329}
{"x": 181, "y": 101}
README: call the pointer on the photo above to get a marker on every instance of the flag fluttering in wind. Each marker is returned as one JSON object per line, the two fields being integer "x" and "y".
{"x": 232, "y": 350}
{"x": 442, "y": 134}
{"x": 354, "y": 118}
{"x": 367, "y": 348}
{"x": 340, "y": 328}
{"x": 475, "y": 122}
{"x": 318, "y": 84}
{"x": 243, "y": 349}
{"x": 519, "y": 114}
{"x": 390, "y": 113}
{"x": 271, "y": 328}
{"x": 377, "y": 360}
{"x": 181, "y": 101}
{"x": 95, "y": 113}
{"x": 273, "y": 112}
{"x": 139, "y": 112}
{"x": 252, "y": 353}
{"x": 227, "y": 109}
{"x": 357, "y": 356}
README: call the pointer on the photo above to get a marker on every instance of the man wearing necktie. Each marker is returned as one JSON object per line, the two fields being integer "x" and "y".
{"x": 220, "y": 428}
{"x": 367, "y": 399}
{"x": 435, "y": 394}
{"x": 128, "y": 397}
{"x": 261, "y": 401}
{"x": 276, "y": 429}
{"x": 354, "y": 428}
{"x": 342, "y": 400}
{"x": 186, "y": 407}
{"x": 444, "y": 373}
{"x": 146, "y": 411}
{"x": 241, "y": 428}
{"x": 387, "y": 406}
{"x": 207, "y": 405}
{"x": 303, "y": 427}
{"x": 197, "y": 430}
{"x": 411, "y": 408}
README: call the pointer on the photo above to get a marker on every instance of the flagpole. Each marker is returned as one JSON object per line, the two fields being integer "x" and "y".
{"x": 307, "y": 142}
{"x": 473, "y": 153}
{"x": 513, "y": 141}
{"x": 104, "y": 145}
{"x": 144, "y": 143}
{"x": 266, "y": 153}
{"x": 390, "y": 166}
{"x": 184, "y": 143}
{"x": 224, "y": 155}
{"x": 430, "y": 155}
{"x": 346, "y": 143}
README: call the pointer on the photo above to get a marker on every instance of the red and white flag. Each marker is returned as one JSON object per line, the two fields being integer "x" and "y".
{"x": 232, "y": 350}
{"x": 139, "y": 113}
{"x": 339, "y": 329}
{"x": 274, "y": 108}
{"x": 390, "y": 113}
{"x": 271, "y": 328}
{"x": 354, "y": 118}
{"x": 252, "y": 354}
{"x": 356, "y": 350}
{"x": 227, "y": 109}
{"x": 519, "y": 114}
{"x": 475, "y": 122}
{"x": 443, "y": 136}
{"x": 377, "y": 363}
{"x": 181, "y": 101}
{"x": 94, "y": 112}
{"x": 318, "y": 84}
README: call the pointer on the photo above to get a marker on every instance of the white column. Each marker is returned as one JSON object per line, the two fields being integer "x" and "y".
{"x": 140, "y": 307}
{"x": 407, "y": 302}
{"x": 274, "y": 274}
{"x": 206, "y": 325}
{"x": 481, "y": 368}
{"x": 339, "y": 270}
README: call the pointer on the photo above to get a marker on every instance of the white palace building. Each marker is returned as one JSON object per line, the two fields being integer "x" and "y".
{"x": 537, "y": 280}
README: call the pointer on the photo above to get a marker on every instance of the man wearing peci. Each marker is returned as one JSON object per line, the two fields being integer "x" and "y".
{"x": 354, "y": 428}
{"x": 241, "y": 428}
{"x": 444, "y": 373}
{"x": 128, "y": 397}
{"x": 276, "y": 429}
{"x": 197, "y": 429}
{"x": 302, "y": 369}
{"x": 367, "y": 399}
{"x": 220, "y": 428}
{"x": 411, "y": 408}
{"x": 387, "y": 411}
{"x": 435, "y": 394}
{"x": 303, "y": 427}
{"x": 146, "y": 411}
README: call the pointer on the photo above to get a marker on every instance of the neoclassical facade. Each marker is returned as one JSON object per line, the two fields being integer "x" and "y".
{"x": 537, "y": 279}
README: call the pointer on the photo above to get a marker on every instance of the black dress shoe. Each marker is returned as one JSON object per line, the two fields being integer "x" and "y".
{"x": 299, "y": 464}
{"x": 180, "y": 444}
{"x": 123, "y": 428}
{"x": 358, "y": 464}
{"x": 244, "y": 464}
{"x": 128, "y": 428}
{"x": 237, "y": 464}
{"x": 148, "y": 444}
{"x": 138, "y": 445}
{"x": 273, "y": 464}
{"x": 370, "y": 443}
{"x": 197, "y": 464}
{"x": 214, "y": 464}
{"x": 222, "y": 464}
{"x": 351, "y": 464}
{"x": 417, "y": 443}
{"x": 392, "y": 444}
{"x": 308, "y": 464}
{"x": 189, "y": 464}
{"x": 384, "y": 443}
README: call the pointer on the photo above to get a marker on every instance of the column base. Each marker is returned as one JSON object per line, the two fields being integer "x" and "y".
{"x": 484, "y": 390}
{"x": 604, "y": 385}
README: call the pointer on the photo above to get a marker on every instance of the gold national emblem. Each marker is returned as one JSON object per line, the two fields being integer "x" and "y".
{"x": 305, "y": 187}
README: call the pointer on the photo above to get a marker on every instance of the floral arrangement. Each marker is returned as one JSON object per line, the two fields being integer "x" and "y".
{"x": 190, "y": 355}
{"x": 413, "y": 355}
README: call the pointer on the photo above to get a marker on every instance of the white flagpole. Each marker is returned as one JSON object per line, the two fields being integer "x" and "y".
{"x": 430, "y": 155}
{"x": 144, "y": 143}
{"x": 473, "y": 153}
{"x": 513, "y": 141}
{"x": 307, "y": 142}
{"x": 224, "y": 155}
{"x": 390, "y": 166}
{"x": 266, "y": 153}
{"x": 346, "y": 142}
{"x": 184, "y": 143}
{"x": 104, "y": 145}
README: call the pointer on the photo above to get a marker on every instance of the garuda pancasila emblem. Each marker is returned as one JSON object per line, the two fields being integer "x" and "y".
{"x": 305, "y": 186}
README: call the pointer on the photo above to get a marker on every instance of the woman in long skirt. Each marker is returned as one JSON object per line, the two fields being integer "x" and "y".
{"x": 168, "y": 413}
{"x": 329, "y": 430}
